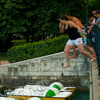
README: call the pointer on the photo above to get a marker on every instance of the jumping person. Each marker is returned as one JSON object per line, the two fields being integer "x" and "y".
{"x": 83, "y": 33}
{"x": 74, "y": 19}
{"x": 74, "y": 38}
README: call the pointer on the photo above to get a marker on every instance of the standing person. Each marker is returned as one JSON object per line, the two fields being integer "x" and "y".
{"x": 83, "y": 33}
{"x": 74, "y": 38}
{"x": 95, "y": 16}
{"x": 90, "y": 23}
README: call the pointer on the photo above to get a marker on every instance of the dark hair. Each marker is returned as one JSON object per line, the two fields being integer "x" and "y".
{"x": 68, "y": 13}
{"x": 98, "y": 12}
{"x": 91, "y": 20}
{"x": 63, "y": 17}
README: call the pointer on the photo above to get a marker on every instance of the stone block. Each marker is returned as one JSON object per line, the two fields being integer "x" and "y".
{"x": 67, "y": 73}
{"x": 26, "y": 73}
{"x": 59, "y": 69}
{"x": 53, "y": 64}
{"x": 83, "y": 73}
{"x": 47, "y": 73}
{"x": 56, "y": 73}
{"x": 20, "y": 74}
{"x": 33, "y": 73}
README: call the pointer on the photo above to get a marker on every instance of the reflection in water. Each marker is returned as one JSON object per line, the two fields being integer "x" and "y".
{"x": 80, "y": 95}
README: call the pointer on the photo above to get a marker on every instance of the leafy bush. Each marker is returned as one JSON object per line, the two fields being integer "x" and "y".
{"x": 37, "y": 49}
{"x": 3, "y": 56}
{"x": 19, "y": 42}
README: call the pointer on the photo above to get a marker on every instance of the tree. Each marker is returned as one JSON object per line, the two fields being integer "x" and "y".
{"x": 35, "y": 19}
{"x": 15, "y": 18}
{"x": 97, "y": 2}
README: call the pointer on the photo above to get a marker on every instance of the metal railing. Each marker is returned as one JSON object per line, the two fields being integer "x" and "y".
{"x": 95, "y": 43}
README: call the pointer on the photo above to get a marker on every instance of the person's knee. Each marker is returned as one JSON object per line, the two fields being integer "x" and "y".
{"x": 66, "y": 51}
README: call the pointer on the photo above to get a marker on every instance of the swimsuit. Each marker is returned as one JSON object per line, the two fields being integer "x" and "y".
{"x": 74, "y": 36}
{"x": 72, "y": 33}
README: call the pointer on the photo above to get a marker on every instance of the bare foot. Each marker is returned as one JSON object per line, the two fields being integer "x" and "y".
{"x": 93, "y": 59}
{"x": 66, "y": 66}
{"x": 73, "y": 56}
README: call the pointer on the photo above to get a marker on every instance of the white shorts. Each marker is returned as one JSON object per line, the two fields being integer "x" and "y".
{"x": 75, "y": 42}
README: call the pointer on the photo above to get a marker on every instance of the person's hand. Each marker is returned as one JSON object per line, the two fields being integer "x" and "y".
{"x": 81, "y": 31}
{"x": 60, "y": 24}
{"x": 93, "y": 24}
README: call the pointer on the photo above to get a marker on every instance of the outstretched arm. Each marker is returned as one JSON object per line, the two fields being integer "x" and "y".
{"x": 78, "y": 22}
{"x": 72, "y": 24}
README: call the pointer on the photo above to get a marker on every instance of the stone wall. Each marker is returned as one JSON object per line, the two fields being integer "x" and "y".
{"x": 47, "y": 68}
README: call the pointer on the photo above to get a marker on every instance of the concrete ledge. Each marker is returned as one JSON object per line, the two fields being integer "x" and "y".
{"x": 96, "y": 82}
{"x": 47, "y": 67}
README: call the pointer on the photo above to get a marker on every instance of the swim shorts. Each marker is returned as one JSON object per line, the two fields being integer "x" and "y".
{"x": 84, "y": 38}
{"x": 75, "y": 42}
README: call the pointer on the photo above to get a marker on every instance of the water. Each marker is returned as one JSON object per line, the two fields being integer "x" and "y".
{"x": 80, "y": 95}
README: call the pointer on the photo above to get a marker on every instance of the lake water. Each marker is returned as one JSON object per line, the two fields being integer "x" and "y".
{"x": 80, "y": 95}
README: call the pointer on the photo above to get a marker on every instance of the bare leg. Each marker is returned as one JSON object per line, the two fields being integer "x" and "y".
{"x": 89, "y": 49}
{"x": 74, "y": 53}
{"x": 66, "y": 50}
{"x": 80, "y": 47}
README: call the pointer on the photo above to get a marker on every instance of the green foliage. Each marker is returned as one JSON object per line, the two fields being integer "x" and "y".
{"x": 38, "y": 19}
{"x": 15, "y": 16}
{"x": 3, "y": 56}
{"x": 19, "y": 42}
{"x": 78, "y": 9}
{"x": 94, "y": 5}
{"x": 28, "y": 16}
{"x": 97, "y": 4}
{"x": 36, "y": 49}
